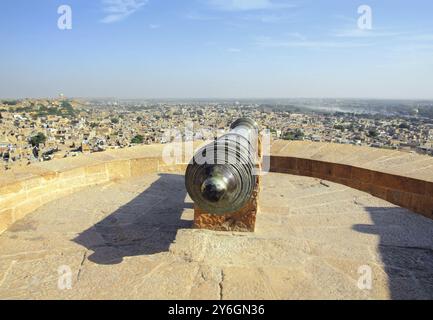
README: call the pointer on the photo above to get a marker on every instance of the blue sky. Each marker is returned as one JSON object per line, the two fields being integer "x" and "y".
{"x": 216, "y": 49}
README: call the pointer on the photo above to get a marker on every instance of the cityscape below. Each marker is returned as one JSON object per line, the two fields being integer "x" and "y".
{"x": 33, "y": 130}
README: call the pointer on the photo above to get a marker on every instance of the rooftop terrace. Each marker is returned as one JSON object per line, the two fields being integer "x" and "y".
{"x": 124, "y": 232}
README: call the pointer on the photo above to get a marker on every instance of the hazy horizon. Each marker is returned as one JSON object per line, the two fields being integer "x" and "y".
{"x": 240, "y": 99}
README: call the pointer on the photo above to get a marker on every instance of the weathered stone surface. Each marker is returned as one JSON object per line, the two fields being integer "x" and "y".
{"x": 404, "y": 179}
{"x": 6, "y": 219}
{"x": 47, "y": 181}
{"x": 134, "y": 240}
{"x": 390, "y": 175}
{"x": 244, "y": 220}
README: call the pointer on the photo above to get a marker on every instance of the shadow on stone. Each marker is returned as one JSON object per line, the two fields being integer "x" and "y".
{"x": 405, "y": 249}
{"x": 146, "y": 225}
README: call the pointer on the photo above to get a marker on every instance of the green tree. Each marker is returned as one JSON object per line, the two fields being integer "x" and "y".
{"x": 114, "y": 120}
{"x": 10, "y": 102}
{"x": 38, "y": 139}
{"x": 138, "y": 139}
{"x": 66, "y": 109}
{"x": 373, "y": 133}
{"x": 296, "y": 135}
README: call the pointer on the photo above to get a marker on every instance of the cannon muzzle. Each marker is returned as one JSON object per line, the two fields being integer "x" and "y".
{"x": 221, "y": 177}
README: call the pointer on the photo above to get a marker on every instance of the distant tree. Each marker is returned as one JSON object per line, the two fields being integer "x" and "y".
{"x": 404, "y": 126}
{"x": 138, "y": 139}
{"x": 114, "y": 120}
{"x": 66, "y": 104}
{"x": 23, "y": 109}
{"x": 373, "y": 133}
{"x": 296, "y": 135}
{"x": 38, "y": 139}
{"x": 288, "y": 136}
{"x": 299, "y": 134}
{"x": 10, "y": 102}
{"x": 66, "y": 109}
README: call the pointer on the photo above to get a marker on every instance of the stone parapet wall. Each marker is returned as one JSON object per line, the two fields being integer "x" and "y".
{"x": 24, "y": 191}
{"x": 413, "y": 194}
{"x": 403, "y": 179}
{"x": 407, "y": 164}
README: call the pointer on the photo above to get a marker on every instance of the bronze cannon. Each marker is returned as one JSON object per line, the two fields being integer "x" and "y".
{"x": 222, "y": 176}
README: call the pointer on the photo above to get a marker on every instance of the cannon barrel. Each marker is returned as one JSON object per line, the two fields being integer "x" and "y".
{"x": 221, "y": 177}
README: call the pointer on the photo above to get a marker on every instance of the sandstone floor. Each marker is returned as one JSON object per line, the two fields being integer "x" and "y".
{"x": 133, "y": 240}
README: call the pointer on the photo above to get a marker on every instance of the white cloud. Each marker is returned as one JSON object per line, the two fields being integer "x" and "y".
{"x": 301, "y": 42}
{"x": 358, "y": 33}
{"x": 298, "y": 36}
{"x": 154, "y": 26}
{"x": 397, "y": 37}
{"x": 118, "y": 10}
{"x": 267, "y": 18}
{"x": 421, "y": 37}
{"x": 246, "y": 5}
{"x": 200, "y": 17}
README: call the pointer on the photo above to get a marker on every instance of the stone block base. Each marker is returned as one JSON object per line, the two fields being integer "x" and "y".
{"x": 243, "y": 220}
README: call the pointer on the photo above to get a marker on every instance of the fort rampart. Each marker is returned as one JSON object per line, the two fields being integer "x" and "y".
{"x": 401, "y": 178}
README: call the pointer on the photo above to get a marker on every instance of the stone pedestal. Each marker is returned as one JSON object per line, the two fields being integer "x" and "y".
{"x": 243, "y": 220}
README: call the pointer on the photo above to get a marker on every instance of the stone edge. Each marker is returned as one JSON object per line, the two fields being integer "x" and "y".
{"x": 410, "y": 193}
{"x": 32, "y": 190}
{"x": 25, "y": 195}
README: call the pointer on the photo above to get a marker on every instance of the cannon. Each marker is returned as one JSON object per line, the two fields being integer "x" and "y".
{"x": 222, "y": 177}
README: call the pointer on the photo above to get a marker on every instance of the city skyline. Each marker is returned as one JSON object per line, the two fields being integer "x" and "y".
{"x": 217, "y": 49}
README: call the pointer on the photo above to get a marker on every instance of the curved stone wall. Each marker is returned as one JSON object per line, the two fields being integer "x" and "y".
{"x": 23, "y": 191}
{"x": 406, "y": 192}
{"x": 402, "y": 178}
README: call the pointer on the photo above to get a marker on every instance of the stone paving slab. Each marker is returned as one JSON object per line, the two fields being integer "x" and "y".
{"x": 133, "y": 240}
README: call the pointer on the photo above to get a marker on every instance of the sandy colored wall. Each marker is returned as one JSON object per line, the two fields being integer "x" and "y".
{"x": 24, "y": 191}
{"x": 406, "y": 192}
